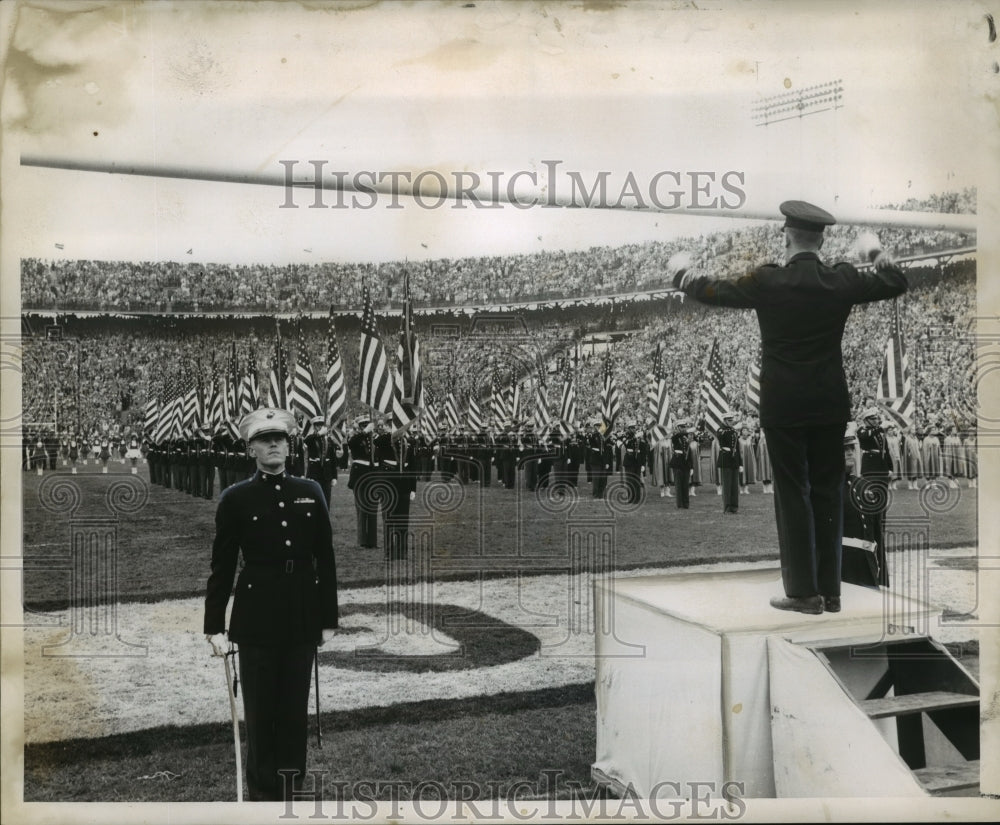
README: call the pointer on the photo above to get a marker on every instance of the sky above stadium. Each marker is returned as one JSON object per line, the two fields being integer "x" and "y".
{"x": 664, "y": 95}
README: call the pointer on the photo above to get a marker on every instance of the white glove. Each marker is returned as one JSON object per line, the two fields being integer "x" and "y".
{"x": 868, "y": 246}
{"x": 334, "y": 482}
{"x": 219, "y": 643}
{"x": 328, "y": 634}
{"x": 884, "y": 260}
{"x": 413, "y": 494}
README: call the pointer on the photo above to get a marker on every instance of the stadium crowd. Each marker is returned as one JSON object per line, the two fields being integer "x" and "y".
{"x": 171, "y": 287}
{"x": 107, "y": 367}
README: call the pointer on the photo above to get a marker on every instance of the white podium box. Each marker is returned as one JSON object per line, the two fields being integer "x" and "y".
{"x": 682, "y": 679}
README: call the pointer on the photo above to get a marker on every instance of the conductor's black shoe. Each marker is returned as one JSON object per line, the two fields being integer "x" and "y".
{"x": 806, "y": 604}
{"x": 831, "y": 604}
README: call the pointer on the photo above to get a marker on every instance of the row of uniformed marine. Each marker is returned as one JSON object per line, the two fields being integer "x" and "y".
{"x": 190, "y": 465}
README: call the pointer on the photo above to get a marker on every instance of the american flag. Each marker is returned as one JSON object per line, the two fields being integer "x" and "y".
{"x": 894, "y": 387}
{"x": 409, "y": 354}
{"x": 451, "y": 410}
{"x": 216, "y": 407}
{"x": 278, "y": 389}
{"x": 249, "y": 394}
{"x": 305, "y": 399}
{"x": 336, "y": 393}
{"x": 515, "y": 400}
{"x": 611, "y": 401}
{"x": 429, "y": 421}
{"x": 150, "y": 416}
{"x": 165, "y": 414}
{"x": 498, "y": 404}
{"x": 191, "y": 415}
{"x": 567, "y": 404}
{"x": 375, "y": 384}
{"x": 542, "y": 417}
{"x": 657, "y": 397}
{"x": 713, "y": 390}
{"x": 232, "y": 385}
{"x": 475, "y": 416}
{"x": 403, "y": 413}
{"x": 177, "y": 413}
{"x": 753, "y": 384}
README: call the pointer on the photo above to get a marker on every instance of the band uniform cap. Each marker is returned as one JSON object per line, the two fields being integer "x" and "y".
{"x": 729, "y": 417}
{"x": 266, "y": 420}
{"x": 850, "y": 433}
{"x": 802, "y": 215}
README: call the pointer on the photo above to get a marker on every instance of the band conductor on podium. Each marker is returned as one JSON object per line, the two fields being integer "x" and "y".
{"x": 802, "y": 308}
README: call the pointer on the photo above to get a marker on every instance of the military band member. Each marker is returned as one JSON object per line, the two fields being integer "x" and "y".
{"x": 634, "y": 451}
{"x": 875, "y": 470}
{"x": 574, "y": 453}
{"x": 320, "y": 456}
{"x": 361, "y": 446}
{"x": 506, "y": 457}
{"x": 549, "y": 444}
{"x": 285, "y": 601}
{"x": 729, "y": 462}
{"x": 695, "y": 453}
{"x": 394, "y": 457}
{"x": 680, "y": 463}
{"x": 599, "y": 458}
{"x": 748, "y": 460}
{"x": 206, "y": 464}
{"x": 529, "y": 451}
{"x": 423, "y": 453}
{"x": 863, "y": 554}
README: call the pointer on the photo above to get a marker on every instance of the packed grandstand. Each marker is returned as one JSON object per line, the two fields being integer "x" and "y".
{"x": 129, "y": 331}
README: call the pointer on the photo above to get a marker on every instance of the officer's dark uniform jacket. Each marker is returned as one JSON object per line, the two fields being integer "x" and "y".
{"x": 287, "y": 589}
{"x": 802, "y": 308}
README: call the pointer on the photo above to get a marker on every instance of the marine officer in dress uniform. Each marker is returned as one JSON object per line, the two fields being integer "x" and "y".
{"x": 285, "y": 601}
{"x": 802, "y": 308}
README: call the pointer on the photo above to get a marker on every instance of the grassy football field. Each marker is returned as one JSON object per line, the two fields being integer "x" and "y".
{"x": 494, "y": 741}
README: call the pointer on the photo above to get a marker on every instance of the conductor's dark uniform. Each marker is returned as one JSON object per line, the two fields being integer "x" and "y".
{"x": 802, "y": 308}
{"x": 286, "y": 594}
